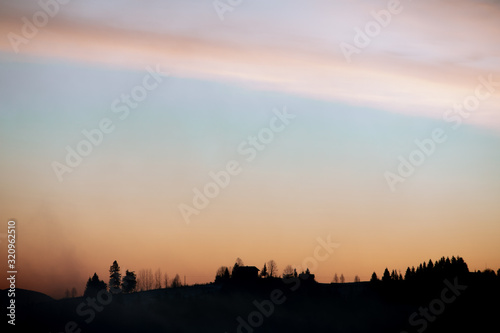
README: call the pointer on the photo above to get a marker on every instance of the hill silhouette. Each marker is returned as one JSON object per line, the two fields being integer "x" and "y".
{"x": 26, "y": 296}
{"x": 442, "y": 298}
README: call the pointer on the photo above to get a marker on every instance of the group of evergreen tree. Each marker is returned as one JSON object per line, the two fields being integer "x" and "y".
{"x": 439, "y": 270}
{"x": 116, "y": 284}
{"x": 94, "y": 285}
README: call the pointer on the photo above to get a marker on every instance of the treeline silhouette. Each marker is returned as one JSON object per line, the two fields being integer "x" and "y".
{"x": 146, "y": 280}
{"x": 435, "y": 296}
{"x": 442, "y": 295}
{"x": 427, "y": 272}
{"x": 423, "y": 283}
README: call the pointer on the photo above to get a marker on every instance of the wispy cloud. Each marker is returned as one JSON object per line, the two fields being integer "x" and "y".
{"x": 428, "y": 58}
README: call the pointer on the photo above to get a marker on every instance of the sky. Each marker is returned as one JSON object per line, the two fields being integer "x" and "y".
{"x": 371, "y": 124}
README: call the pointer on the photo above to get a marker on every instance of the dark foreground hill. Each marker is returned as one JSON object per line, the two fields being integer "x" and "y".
{"x": 26, "y": 296}
{"x": 467, "y": 304}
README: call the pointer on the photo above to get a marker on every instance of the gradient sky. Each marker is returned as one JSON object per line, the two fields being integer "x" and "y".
{"x": 323, "y": 175}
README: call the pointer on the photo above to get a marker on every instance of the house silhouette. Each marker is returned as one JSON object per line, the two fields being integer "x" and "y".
{"x": 245, "y": 273}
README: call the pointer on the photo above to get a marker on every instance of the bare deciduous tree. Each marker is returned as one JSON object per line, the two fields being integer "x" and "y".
{"x": 140, "y": 280}
{"x": 165, "y": 280}
{"x": 145, "y": 279}
{"x": 288, "y": 271}
{"x": 176, "y": 282}
{"x": 357, "y": 279}
{"x": 272, "y": 268}
{"x": 157, "y": 277}
{"x": 149, "y": 279}
{"x": 342, "y": 279}
{"x": 239, "y": 262}
{"x": 335, "y": 278}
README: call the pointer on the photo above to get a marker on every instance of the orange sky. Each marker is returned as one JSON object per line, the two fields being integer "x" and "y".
{"x": 322, "y": 175}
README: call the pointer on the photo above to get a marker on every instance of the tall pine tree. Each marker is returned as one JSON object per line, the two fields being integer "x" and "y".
{"x": 129, "y": 282}
{"x": 115, "y": 278}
